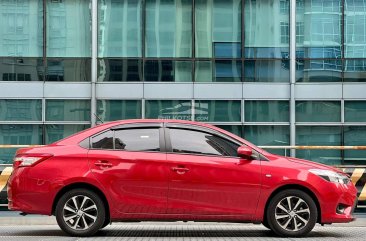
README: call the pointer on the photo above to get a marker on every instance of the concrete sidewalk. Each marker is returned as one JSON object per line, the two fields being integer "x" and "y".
{"x": 14, "y": 218}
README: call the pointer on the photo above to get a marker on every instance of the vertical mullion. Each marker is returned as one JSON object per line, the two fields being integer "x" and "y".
{"x": 292, "y": 74}
{"x": 242, "y": 40}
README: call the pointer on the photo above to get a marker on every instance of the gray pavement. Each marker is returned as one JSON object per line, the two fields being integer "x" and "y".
{"x": 35, "y": 227}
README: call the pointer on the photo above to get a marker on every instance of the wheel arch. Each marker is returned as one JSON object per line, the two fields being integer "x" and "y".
{"x": 293, "y": 186}
{"x": 85, "y": 186}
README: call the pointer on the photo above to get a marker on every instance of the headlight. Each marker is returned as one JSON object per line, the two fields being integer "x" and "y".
{"x": 330, "y": 176}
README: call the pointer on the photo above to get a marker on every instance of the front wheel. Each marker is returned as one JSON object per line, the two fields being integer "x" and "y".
{"x": 292, "y": 213}
{"x": 80, "y": 212}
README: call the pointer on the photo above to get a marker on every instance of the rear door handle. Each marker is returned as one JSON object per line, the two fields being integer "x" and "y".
{"x": 180, "y": 170}
{"x": 103, "y": 163}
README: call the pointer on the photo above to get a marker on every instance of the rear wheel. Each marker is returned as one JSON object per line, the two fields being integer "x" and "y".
{"x": 80, "y": 212}
{"x": 292, "y": 213}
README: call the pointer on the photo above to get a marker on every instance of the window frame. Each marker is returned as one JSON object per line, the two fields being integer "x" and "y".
{"x": 157, "y": 126}
{"x": 169, "y": 148}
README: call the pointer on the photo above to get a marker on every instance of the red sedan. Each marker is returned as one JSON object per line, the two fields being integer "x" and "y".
{"x": 168, "y": 170}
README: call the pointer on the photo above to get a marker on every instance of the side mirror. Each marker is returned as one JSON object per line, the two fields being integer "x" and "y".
{"x": 245, "y": 152}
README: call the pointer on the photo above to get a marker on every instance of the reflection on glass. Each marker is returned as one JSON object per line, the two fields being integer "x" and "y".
{"x": 354, "y": 136}
{"x": 168, "y": 71}
{"x": 110, "y": 110}
{"x": 217, "y": 110}
{"x": 227, "y": 71}
{"x": 266, "y": 28}
{"x": 322, "y": 28}
{"x": 70, "y": 70}
{"x": 318, "y": 111}
{"x": 67, "y": 110}
{"x": 266, "y": 111}
{"x": 58, "y": 132}
{"x": 235, "y": 129}
{"x": 119, "y": 28}
{"x": 355, "y": 29}
{"x": 203, "y": 71}
{"x": 354, "y": 70}
{"x": 168, "y": 28}
{"x": 21, "y": 69}
{"x": 68, "y": 28}
{"x": 268, "y": 136}
{"x": 119, "y": 70}
{"x": 21, "y": 24}
{"x": 20, "y": 110}
{"x": 168, "y": 109}
{"x": 266, "y": 71}
{"x": 355, "y": 111}
{"x": 329, "y": 70}
{"x": 319, "y": 136}
{"x": 6, "y": 157}
{"x": 21, "y": 134}
{"x": 218, "y": 28}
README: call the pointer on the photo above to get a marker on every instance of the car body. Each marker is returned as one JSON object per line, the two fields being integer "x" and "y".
{"x": 170, "y": 170}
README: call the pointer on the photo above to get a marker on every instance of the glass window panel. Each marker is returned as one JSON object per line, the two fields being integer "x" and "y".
{"x": 137, "y": 139}
{"x": 168, "y": 109}
{"x": 21, "y": 28}
{"x": 268, "y": 136}
{"x": 217, "y": 110}
{"x": 21, "y": 69}
{"x": 67, "y": 110}
{"x": 329, "y": 70}
{"x": 322, "y": 29}
{"x": 119, "y": 70}
{"x": 6, "y": 157}
{"x": 168, "y": 28}
{"x": 103, "y": 141}
{"x": 355, "y": 29}
{"x": 20, "y": 110}
{"x": 201, "y": 143}
{"x": 264, "y": 18}
{"x": 354, "y": 136}
{"x": 110, "y": 110}
{"x": 168, "y": 71}
{"x": 235, "y": 129}
{"x": 355, "y": 111}
{"x": 58, "y": 132}
{"x": 227, "y": 71}
{"x": 218, "y": 28}
{"x": 318, "y": 111}
{"x": 20, "y": 134}
{"x": 119, "y": 24}
{"x": 203, "y": 71}
{"x": 266, "y": 111}
{"x": 266, "y": 71}
{"x": 69, "y": 70}
{"x": 68, "y": 28}
{"x": 319, "y": 136}
{"x": 354, "y": 70}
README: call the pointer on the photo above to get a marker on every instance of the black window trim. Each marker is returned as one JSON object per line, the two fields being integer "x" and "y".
{"x": 158, "y": 126}
{"x": 168, "y": 143}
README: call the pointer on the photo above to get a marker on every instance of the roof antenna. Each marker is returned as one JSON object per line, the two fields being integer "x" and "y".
{"x": 98, "y": 118}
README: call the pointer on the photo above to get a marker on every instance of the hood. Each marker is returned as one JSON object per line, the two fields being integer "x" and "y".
{"x": 313, "y": 164}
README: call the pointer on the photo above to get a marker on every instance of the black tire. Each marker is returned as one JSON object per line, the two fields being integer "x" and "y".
{"x": 265, "y": 224}
{"x": 83, "y": 219}
{"x": 292, "y": 223}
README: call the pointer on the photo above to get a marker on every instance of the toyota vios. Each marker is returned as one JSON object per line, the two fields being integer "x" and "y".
{"x": 166, "y": 170}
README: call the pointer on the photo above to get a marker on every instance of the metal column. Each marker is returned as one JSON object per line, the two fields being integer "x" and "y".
{"x": 94, "y": 32}
{"x": 292, "y": 73}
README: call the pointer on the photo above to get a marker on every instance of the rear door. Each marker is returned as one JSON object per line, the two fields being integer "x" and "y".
{"x": 208, "y": 178}
{"x": 130, "y": 163}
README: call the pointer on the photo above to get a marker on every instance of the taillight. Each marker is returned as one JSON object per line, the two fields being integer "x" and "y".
{"x": 29, "y": 159}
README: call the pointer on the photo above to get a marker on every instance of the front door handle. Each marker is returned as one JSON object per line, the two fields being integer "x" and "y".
{"x": 180, "y": 170}
{"x": 103, "y": 163}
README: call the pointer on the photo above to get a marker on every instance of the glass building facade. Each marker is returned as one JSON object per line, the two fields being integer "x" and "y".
{"x": 276, "y": 72}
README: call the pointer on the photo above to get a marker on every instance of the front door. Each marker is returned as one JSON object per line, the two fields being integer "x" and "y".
{"x": 207, "y": 178}
{"x": 130, "y": 165}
